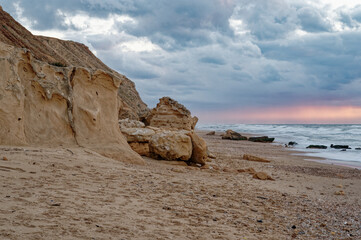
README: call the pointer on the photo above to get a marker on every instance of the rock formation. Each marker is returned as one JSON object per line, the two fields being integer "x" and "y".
{"x": 232, "y": 135}
{"x": 170, "y": 114}
{"x": 169, "y": 134}
{"x": 42, "y": 104}
{"x": 55, "y": 92}
{"x": 66, "y": 54}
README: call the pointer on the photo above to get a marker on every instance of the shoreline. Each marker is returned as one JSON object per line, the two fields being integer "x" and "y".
{"x": 300, "y": 152}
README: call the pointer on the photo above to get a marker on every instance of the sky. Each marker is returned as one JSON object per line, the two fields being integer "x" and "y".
{"x": 228, "y": 61}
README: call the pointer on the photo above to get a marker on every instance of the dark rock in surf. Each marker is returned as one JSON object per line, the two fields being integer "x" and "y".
{"x": 317, "y": 147}
{"x": 264, "y": 139}
{"x": 340, "y": 146}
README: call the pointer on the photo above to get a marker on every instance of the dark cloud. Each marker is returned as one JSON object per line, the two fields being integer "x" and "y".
{"x": 278, "y": 52}
{"x": 313, "y": 20}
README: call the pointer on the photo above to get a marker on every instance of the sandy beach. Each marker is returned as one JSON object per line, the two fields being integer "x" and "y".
{"x": 75, "y": 193}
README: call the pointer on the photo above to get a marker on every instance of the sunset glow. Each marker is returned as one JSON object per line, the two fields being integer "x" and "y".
{"x": 299, "y": 114}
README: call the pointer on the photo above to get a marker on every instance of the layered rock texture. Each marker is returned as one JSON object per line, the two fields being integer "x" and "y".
{"x": 55, "y": 92}
{"x": 66, "y": 54}
{"x": 170, "y": 114}
{"x": 169, "y": 134}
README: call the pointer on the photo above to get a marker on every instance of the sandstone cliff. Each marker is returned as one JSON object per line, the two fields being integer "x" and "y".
{"x": 55, "y": 92}
{"x": 68, "y": 53}
{"x": 42, "y": 104}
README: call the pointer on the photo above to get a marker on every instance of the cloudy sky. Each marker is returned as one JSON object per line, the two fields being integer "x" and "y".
{"x": 250, "y": 61}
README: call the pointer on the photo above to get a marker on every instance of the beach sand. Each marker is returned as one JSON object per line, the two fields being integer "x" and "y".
{"x": 75, "y": 193}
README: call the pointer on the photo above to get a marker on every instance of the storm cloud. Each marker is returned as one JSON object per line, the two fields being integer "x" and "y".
{"x": 215, "y": 54}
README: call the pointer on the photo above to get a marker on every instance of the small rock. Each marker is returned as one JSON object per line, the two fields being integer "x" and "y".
{"x": 211, "y": 155}
{"x": 5, "y": 159}
{"x": 227, "y": 169}
{"x": 206, "y": 166}
{"x": 262, "y": 176}
{"x": 340, "y": 192}
{"x": 247, "y": 170}
{"x": 211, "y": 133}
{"x": 254, "y": 158}
{"x": 293, "y": 227}
{"x": 260, "y": 221}
{"x": 232, "y": 135}
{"x": 339, "y": 186}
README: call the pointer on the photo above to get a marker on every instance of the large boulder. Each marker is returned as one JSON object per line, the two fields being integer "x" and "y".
{"x": 171, "y": 145}
{"x": 199, "y": 154}
{"x": 141, "y": 135}
{"x": 169, "y": 114}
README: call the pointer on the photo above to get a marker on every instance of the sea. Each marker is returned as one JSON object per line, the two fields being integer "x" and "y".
{"x": 305, "y": 135}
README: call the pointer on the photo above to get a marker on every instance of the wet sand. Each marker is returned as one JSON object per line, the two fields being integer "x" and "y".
{"x": 75, "y": 193}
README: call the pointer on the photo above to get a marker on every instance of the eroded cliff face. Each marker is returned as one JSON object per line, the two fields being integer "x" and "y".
{"x": 70, "y": 54}
{"x": 42, "y": 104}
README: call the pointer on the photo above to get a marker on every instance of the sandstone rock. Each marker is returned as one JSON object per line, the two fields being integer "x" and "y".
{"x": 141, "y": 148}
{"x": 247, "y": 170}
{"x": 142, "y": 135}
{"x": 129, "y": 123}
{"x": 211, "y": 133}
{"x": 199, "y": 154}
{"x": 263, "y": 139}
{"x": 55, "y": 92}
{"x": 171, "y": 145}
{"x": 169, "y": 114}
{"x": 254, "y": 158}
{"x": 42, "y": 104}
{"x": 60, "y": 53}
{"x": 262, "y": 176}
{"x": 339, "y": 192}
{"x": 232, "y": 135}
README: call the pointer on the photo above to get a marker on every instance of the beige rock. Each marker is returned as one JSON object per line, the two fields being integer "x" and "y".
{"x": 199, "y": 154}
{"x": 62, "y": 53}
{"x": 247, "y": 170}
{"x": 339, "y": 192}
{"x": 129, "y": 123}
{"x": 55, "y": 92}
{"x": 140, "y": 148}
{"x": 254, "y": 158}
{"x": 141, "y": 135}
{"x": 171, "y": 145}
{"x": 262, "y": 176}
{"x": 212, "y": 133}
{"x": 169, "y": 114}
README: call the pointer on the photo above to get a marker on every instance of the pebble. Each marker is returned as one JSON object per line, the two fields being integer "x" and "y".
{"x": 5, "y": 159}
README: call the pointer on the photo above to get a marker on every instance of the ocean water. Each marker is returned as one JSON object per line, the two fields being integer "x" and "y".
{"x": 305, "y": 135}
